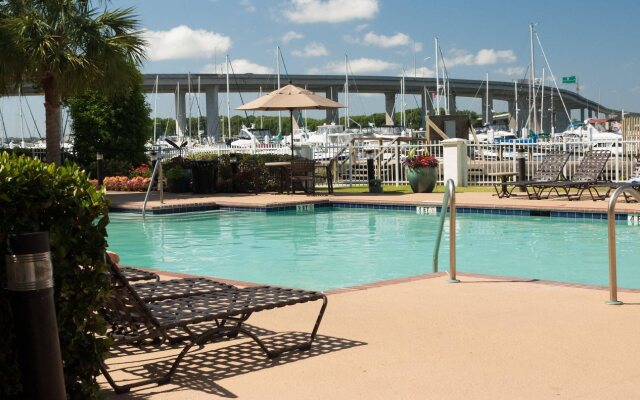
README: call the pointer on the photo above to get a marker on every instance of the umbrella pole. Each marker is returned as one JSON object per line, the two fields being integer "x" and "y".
{"x": 291, "y": 169}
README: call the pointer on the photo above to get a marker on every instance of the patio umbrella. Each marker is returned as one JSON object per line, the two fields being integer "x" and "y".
{"x": 291, "y": 98}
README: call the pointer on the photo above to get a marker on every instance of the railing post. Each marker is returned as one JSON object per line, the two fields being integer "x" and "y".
{"x": 611, "y": 217}
{"x": 397, "y": 163}
{"x": 449, "y": 200}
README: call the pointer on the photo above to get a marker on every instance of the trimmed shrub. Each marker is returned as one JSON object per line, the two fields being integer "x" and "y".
{"x": 35, "y": 196}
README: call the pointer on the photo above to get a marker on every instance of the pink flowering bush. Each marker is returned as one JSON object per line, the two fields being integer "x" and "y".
{"x": 414, "y": 161}
{"x": 143, "y": 171}
{"x": 125, "y": 184}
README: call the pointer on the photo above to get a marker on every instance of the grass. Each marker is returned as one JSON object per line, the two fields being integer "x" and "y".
{"x": 406, "y": 189}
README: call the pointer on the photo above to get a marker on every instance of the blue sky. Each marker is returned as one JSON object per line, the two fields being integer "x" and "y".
{"x": 594, "y": 40}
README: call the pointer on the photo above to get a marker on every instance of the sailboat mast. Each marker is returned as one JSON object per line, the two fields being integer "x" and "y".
{"x": 188, "y": 108}
{"x": 515, "y": 90}
{"x": 228, "y": 100}
{"x": 486, "y": 101}
{"x": 346, "y": 91}
{"x": 542, "y": 102}
{"x": 155, "y": 112}
{"x": 278, "y": 73}
{"x": 198, "y": 102}
{"x": 437, "y": 80}
{"x": 21, "y": 117}
{"x": 532, "y": 85}
{"x": 178, "y": 130}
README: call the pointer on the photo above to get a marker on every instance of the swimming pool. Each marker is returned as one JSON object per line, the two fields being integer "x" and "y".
{"x": 335, "y": 248}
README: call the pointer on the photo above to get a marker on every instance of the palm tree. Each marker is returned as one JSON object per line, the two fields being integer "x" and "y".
{"x": 62, "y": 47}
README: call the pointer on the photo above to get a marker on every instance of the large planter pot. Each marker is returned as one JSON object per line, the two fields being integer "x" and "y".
{"x": 422, "y": 180}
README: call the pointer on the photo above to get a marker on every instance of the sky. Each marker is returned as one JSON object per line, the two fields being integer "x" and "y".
{"x": 595, "y": 41}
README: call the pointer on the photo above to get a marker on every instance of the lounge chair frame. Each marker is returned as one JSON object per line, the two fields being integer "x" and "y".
{"x": 550, "y": 169}
{"x": 586, "y": 176}
{"x": 135, "y": 321}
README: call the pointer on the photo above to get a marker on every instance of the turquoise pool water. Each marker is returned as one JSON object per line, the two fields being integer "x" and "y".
{"x": 329, "y": 249}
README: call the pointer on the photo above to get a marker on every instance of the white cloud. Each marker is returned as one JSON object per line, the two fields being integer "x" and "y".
{"x": 313, "y": 49}
{"x": 482, "y": 57}
{"x": 332, "y": 11}
{"x": 361, "y": 27}
{"x": 183, "y": 42}
{"x": 356, "y": 66}
{"x": 424, "y": 72}
{"x": 240, "y": 66}
{"x": 291, "y": 35}
{"x": 417, "y": 47}
{"x": 511, "y": 71}
{"x": 399, "y": 39}
{"x": 248, "y": 6}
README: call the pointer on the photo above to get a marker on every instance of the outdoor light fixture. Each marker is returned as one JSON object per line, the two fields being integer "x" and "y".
{"x": 29, "y": 273}
{"x": 374, "y": 184}
{"x": 233, "y": 162}
{"x": 99, "y": 172}
{"x": 153, "y": 156}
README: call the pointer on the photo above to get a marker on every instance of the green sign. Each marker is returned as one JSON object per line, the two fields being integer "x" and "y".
{"x": 569, "y": 79}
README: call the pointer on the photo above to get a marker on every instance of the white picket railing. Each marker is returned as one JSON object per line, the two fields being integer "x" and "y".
{"x": 350, "y": 160}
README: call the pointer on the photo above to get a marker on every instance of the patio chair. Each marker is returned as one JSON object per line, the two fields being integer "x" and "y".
{"x": 133, "y": 320}
{"x": 549, "y": 170}
{"x": 324, "y": 171}
{"x": 585, "y": 177}
{"x": 303, "y": 172}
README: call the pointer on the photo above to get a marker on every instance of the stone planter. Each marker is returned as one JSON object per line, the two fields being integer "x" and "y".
{"x": 422, "y": 180}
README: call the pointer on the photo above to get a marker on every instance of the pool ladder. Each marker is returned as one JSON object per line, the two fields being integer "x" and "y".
{"x": 611, "y": 216}
{"x": 157, "y": 171}
{"x": 449, "y": 200}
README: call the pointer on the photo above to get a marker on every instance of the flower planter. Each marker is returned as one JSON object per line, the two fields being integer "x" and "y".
{"x": 422, "y": 180}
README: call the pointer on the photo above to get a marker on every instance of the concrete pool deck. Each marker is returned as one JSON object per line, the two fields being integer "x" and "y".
{"x": 134, "y": 201}
{"x": 422, "y": 337}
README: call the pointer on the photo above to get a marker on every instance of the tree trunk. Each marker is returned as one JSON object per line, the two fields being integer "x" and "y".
{"x": 52, "y": 115}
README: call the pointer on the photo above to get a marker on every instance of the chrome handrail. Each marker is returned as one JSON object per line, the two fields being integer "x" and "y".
{"x": 448, "y": 201}
{"x": 157, "y": 169}
{"x": 611, "y": 216}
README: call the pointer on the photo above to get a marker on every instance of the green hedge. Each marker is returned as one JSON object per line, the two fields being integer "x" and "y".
{"x": 35, "y": 196}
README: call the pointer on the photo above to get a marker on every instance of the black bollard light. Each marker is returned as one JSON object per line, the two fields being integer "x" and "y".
{"x": 30, "y": 286}
{"x": 522, "y": 167}
{"x": 100, "y": 172}
{"x": 233, "y": 162}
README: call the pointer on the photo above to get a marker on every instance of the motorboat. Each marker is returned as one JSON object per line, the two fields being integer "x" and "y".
{"x": 252, "y": 137}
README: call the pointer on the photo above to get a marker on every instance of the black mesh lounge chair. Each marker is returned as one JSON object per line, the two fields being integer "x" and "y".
{"x": 549, "y": 170}
{"x": 586, "y": 177}
{"x": 133, "y": 320}
{"x": 136, "y": 274}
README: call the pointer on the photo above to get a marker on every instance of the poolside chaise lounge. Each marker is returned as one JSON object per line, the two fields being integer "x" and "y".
{"x": 133, "y": 320}
{"x": 586, "y": 177}
{"x": 549, "y": 170}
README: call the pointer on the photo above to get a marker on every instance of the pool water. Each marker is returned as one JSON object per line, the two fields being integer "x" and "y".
{"x": 336, "y": 248}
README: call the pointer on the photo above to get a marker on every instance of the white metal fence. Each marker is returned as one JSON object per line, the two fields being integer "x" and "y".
{"x": 350, "y": 160}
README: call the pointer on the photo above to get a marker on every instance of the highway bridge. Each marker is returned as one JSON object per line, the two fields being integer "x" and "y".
{"x": 389, "y": 86}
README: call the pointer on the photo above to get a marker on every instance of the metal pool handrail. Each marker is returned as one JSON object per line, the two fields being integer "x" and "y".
{"x": 611, "y": 216}
{"x": 157, "y": 170}
{"x": 449, "y": 200}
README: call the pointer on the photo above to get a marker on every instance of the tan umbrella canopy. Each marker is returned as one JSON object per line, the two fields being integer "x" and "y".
{"x": 291, "y": 98}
